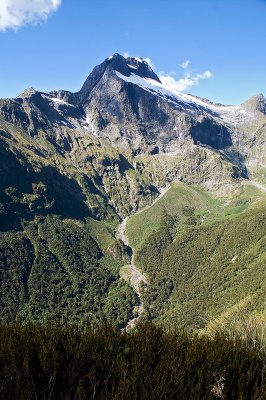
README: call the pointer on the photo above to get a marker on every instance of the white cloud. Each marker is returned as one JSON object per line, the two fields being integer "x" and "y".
{"x": 184, "y": 83}
{"x": 126, "y": 54}
{"x": 16, "y": 13}
{"x": 185, "y": 64}
{"x": 149, "y": 62}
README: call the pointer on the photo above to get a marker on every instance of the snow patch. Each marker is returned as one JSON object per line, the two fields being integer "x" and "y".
{"x": 132, "y": 66}
{"x": 90, "y": 127}
{"x": 153, "y": 86}
{"x": 231, "y": 114}
{"x": 56, "y": 100}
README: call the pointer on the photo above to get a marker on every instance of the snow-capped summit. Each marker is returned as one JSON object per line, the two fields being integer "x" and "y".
{"x": 120, "y": 64}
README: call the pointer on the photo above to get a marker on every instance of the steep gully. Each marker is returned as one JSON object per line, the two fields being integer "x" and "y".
{"x": 135, "y": 274}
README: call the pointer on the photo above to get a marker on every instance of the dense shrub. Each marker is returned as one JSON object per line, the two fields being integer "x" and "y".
{"x": 40, "y": 362}
{"x": 55, "y": 272}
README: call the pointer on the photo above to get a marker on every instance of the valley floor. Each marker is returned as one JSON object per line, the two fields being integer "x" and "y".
{"x": 135, "y": 277}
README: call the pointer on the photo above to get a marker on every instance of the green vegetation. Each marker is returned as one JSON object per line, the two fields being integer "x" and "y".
{"x": 202, "y": 256}
{"x": 59, "y": 257}
{"x": 55, "y": 272}
{"x": 203, "y": 259}
{"x": 182, "y": 200}
{"x": 150, "y": 363}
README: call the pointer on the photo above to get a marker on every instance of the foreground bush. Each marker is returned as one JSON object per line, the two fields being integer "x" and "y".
{"x": 64, "y": 363}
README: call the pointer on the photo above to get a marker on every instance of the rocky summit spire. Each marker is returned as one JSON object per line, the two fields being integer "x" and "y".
{"x": 117, "y": 63}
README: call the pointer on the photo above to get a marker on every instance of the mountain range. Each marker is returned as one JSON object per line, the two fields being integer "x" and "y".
{"x": 73, "y": 166}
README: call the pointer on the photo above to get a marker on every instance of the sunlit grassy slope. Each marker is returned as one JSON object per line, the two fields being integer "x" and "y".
{"x": 179, "y": 198}
{"x": 202, "y": 255}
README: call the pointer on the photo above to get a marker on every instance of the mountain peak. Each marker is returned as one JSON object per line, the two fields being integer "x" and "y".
{"x": 256, "y": 103}
{"x": 27, "y": 93}
{"x": 133, "y": 65}
{"x": 118, "y": 63}
{"x": 134, "y": 60}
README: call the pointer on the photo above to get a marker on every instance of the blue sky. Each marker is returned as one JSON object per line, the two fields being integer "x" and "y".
{"x": 224, "y": 40}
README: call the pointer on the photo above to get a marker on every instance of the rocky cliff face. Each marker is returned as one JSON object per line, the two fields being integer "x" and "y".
{"x": 124, "y": 135}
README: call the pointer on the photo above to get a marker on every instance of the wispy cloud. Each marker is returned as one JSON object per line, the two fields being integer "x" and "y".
{"x": 188, "y": 79}
{"x": 126, "y": 54}
{"x": 184, "y": 83}
{"x": 185, "y": 64}
{"x": 16, "y": 13}
{"x": 149, "y": 62}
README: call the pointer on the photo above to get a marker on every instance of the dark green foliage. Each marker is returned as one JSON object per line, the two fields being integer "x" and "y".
{"x": 119, "y": 303}
{"x": 65, "y": 363}
{"x": 55, "y": 272}
{"x": 16, "y": 260}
